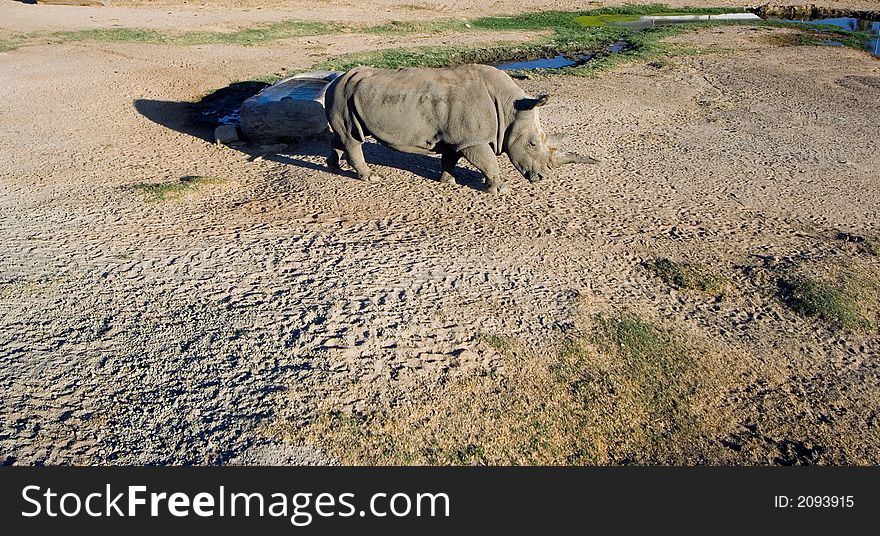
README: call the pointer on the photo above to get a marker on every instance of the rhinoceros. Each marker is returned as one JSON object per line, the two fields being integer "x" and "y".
{"x": 471, "y": 111}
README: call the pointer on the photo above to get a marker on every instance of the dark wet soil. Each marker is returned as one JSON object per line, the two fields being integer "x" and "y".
{"x": 563, "y": 60}
{"x": 222, "y": 106}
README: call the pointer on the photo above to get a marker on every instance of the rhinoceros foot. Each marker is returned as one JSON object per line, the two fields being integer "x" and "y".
{"x": 334, "y": 164}
{"x": 370, "y": 176}
{"x": 498, "y": 188}
{"x": 447, "y": 178}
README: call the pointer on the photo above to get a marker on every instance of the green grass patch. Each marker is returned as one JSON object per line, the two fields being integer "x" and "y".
{"x": 819, "y": 34}
{"x": 605, "y": 20}
{"x": 444, "y": 56}
{"x": 629, "y": 14}
{"x": 687, "y": 276}
{"x": 419, "y": 26}
{"x": 645, "y": 45}
{"x": 812, "y": 37}
{"x": 436, "y": 56}
{"x": 544, "y": 20}
{"x": 167, "y": 191}
{"x": 837, "y": 304}
{"x": 662, "y": 9}
{"x": 562, "y": 20}
{"x": 250, "y": 36}
{"x": 115, "y": 35}
{"x": 14, "y": 40}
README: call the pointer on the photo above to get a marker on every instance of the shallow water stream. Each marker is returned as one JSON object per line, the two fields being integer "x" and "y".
{"x": 852, "y": 25}
{"x": 561, "y": 60}
{"x": 573, "y": 60}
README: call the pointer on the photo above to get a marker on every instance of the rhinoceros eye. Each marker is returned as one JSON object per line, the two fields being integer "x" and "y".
{"x": 533, "y": 142}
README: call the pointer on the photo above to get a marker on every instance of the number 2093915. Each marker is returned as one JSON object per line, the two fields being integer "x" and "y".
{"x": 814, "y": 501}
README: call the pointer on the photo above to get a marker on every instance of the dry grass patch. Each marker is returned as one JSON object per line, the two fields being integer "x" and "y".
{"x": 22, "y": 288}
{"x": 167, "y": 191}
{"x": 519, "y": 416}
{"x": 651, "y": 394}
{"x": 629, "y": 392}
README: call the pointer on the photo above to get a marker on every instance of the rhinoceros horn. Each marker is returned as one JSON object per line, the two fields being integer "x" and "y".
{"x": 560, "y": 158}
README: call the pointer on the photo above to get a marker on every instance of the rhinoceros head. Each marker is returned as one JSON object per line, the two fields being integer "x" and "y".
{"x": 532, "y": 152}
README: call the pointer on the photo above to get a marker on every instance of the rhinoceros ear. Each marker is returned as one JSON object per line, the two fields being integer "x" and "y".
{"x": 529, "y": 103}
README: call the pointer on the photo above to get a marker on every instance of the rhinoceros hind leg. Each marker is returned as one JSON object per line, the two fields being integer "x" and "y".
{"x": 483, "y": 158}
{"x": 448, "y": 160}
{"x": 356, "y": 159}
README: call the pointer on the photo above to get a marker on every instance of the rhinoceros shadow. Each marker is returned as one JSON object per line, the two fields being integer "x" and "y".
{"x": 199, "y": 119}
{"x": 376, "y": 154}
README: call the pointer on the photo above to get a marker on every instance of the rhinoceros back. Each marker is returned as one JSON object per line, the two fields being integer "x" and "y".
{"x": 419, "y": 109}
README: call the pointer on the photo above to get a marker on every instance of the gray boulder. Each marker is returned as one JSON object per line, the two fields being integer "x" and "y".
{"x": 226, "y": 134}
{"x": 288, "y": 111}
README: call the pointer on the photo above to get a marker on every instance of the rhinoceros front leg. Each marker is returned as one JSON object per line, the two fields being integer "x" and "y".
{"x": 337, "y": 150}
{"x": 448, "y": 160}
{"x": 483, "y": 158}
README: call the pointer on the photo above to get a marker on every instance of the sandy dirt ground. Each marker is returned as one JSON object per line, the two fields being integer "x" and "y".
{"x": 175, "y": 332}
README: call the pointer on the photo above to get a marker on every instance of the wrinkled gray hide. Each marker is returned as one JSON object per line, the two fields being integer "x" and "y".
{"x": 472, "y": 111}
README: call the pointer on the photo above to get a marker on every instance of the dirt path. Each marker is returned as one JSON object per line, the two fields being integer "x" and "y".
{"x": 177, "y": 332}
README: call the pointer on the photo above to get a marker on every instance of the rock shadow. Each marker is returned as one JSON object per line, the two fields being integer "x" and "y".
{"x": 199, "y": 119}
